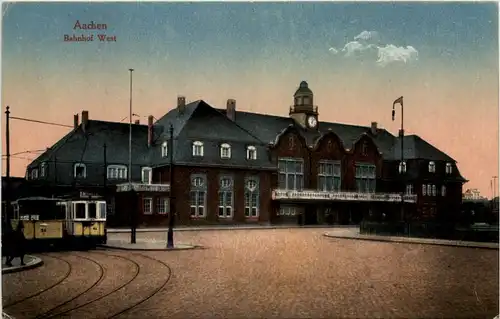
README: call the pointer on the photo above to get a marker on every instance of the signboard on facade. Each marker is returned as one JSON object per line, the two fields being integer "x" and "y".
{"x": 340, "y": 196}
{"x": 139, "y": 187}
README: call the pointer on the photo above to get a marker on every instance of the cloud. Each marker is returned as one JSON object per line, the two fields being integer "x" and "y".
{"x": 355, "y": 47}
{"x": 366, "y": 36}
{"x": 367, "y": 44}
{"x": 333, "y": 50}
{"x": 391, "y": 53}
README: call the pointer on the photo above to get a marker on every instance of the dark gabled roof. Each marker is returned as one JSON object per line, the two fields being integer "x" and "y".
{"x": 200, "y": 121}
{"x": 417, "y": 148}
{"x": 88, "y": 146}
{"x": 267, "y": 127}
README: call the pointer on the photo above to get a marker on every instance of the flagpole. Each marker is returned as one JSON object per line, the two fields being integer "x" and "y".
{"x": 402, "y": 166}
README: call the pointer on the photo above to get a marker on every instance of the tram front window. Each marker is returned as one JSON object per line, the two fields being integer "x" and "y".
{"x": 80, "y": 210}
{"x": 92, "y": 210}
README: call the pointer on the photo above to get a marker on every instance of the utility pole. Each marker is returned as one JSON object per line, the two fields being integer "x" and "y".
{"x": 171, "y": 210}
{"x": 402, "y": 164}
{"x": 7, "y": 166}
{"x": 105, "y": 174}
{"x": 133, "y": 208}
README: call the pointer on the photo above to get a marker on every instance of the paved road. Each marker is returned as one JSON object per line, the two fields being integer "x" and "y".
{"x": 269, "y": 273}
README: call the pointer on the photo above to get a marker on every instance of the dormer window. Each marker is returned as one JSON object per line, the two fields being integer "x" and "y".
{"x": 117, "y": 172}
{"x": 146, "y": 175}
{"x": 432, "y": 167}
{"x": 251, "y": 152}
{"x": 225, "y": 151}
{"x": 34, "y": 173}
{"x": 198, "y": 148}
{"x": 449, "y": 168}
{"x": 402, "y": 167}
{"x": 43, "y": 169}
{"x": 164, "y": 149}
{"x": 80, "y": 170}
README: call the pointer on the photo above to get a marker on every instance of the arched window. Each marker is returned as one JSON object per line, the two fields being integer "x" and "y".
{"x": 432, "y": 167}
{"x": 197, "y": 148}
{"x": 80, "y": 170}
{"x": 226, "y": 197}
{"x": 164, "y": 149}
{"x": 402, "y": 167}
{"x": 449, "y": 168}
{"x": 251, "y": 152}
{"x": 252, "y": 197}
{"x": 225, "y": 151}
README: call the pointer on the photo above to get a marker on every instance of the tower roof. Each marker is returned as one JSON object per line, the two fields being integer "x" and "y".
{"x": 303, "y": 89}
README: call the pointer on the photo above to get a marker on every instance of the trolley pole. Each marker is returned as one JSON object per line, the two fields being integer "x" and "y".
{"x": 171, "y": 209}
{"x": 7, "y": 166}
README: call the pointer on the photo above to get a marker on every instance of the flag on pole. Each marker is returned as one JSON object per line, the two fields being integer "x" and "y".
{"x": 398, "y": 100}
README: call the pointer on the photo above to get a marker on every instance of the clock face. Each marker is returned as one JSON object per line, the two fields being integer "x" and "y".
{"x": 311, "y": 120}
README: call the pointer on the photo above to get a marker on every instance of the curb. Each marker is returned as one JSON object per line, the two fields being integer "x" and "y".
{"x": 159, "y": 230}
{"x": 191, "y": 247}
{"x": 417, "y": 241}
{"x": 36, "y": 262}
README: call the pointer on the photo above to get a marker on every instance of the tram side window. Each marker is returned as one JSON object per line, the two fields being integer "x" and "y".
{"x": 92, "y": 210}
{"x": 102, "y": 210}
{"x": 60, "y": 211}
{"x": 80, "y": 210}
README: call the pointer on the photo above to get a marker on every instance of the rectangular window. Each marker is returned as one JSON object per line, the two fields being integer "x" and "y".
{"x": 146, "y": 175}
{"x": 409, "y": 189}
{"x": 147, "y": 206}
{"x": 80, "y": 211}
{"x": 366, "y": 177}
{"x": 329, "y": 176}
{"x": 92, "y": 209}
{"x": 162, "y": 205}
{"x": 291, "y": 173}
{"x": 102, "y": 210}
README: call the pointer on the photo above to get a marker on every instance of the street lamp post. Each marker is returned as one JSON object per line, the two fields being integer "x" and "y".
{"x": 7, "y": 166}
{"x": 402, "y": 164}
{"x": 171, "y": 210}
{"x": 132, "y": 209}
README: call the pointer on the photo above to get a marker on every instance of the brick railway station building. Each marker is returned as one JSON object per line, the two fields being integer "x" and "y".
{"x": 230, "y": 166}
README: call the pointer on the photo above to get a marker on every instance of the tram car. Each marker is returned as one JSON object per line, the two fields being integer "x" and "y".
{"x": 62, "y": 223}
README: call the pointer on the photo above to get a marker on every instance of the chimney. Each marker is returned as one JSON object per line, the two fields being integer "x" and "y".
{"x": 85, "y": 119}
{"x": 231, "y": 109}
{"x": 181, "y": 103}
{"x": 150, "y": 130}
{"x": 137, "y": 122}
{"x": 374, "y": 128}
{"x": 75, "y": 121}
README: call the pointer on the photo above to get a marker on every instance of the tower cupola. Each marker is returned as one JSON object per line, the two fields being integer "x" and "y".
{"x": 303, "y": 111}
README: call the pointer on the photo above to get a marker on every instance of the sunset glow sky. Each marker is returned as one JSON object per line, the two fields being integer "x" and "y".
{"x": 357, "y": 58}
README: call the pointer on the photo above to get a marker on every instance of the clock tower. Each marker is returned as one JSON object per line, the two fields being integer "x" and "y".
{"x": 303, "y": 111}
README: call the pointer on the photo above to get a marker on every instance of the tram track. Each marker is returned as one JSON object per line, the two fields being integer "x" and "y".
{"x": 57, "y": 283}
{"x": 93, "y": 304}
{"x": 128, "y": 282}
{"x": 100, "y": 279}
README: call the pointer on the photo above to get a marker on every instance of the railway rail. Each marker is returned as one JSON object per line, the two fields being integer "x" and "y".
{"x": 89, "y": 298}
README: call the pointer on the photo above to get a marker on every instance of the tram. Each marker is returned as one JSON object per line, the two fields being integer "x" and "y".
{"x": 62, "y": 223}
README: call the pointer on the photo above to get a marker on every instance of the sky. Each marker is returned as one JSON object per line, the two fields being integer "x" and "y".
{"x": 357, "y": 58}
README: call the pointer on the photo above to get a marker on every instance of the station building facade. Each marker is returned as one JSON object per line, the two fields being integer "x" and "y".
{"x": 221, "y": 165}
